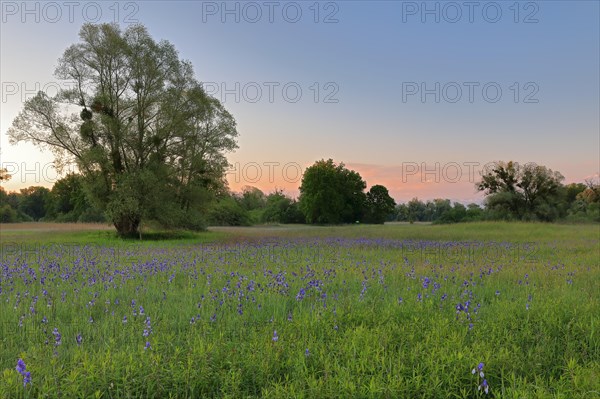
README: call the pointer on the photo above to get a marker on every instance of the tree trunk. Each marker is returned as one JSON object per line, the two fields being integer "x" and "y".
{"x": 127, "y": 225}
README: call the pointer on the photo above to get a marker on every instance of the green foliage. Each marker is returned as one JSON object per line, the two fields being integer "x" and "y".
{"x": 148, "y": 140}
{"x": 293, "y": 214}
{"x": 527, "y": 192}
{"x": 583, "y": 211}
{"x": 281, "y": 209}
{"x": 473, "y": 213}
{"x": 69, "y": 202}
{"x": 8, "y": 214}
{"x": 34, "y": 202}
{"x": 454, "y": 214}
{"x": 438, "y": 211}
{"x": 251, "y": 198}
{"x": 228, "y": 212}
{"x": 331, "y": 194}
{"x": 379, "y": 205}
{"x": 417, "y": 211}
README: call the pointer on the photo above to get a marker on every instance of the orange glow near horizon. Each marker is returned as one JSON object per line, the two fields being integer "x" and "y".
{"x": 455, "y": 181}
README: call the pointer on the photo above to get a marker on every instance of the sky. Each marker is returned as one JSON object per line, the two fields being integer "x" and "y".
{"x": 417, "y": 96}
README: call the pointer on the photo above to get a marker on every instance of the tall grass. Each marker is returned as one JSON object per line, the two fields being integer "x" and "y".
{"x": 356, "y": 311}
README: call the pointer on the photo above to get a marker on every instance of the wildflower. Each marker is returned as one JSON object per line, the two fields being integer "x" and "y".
{"x": 124, "y": 319}
{"x": 26, "y": 378}
{"x": 275, "y": 336}
{"x": 364, "y": 289}
{"x": 306, "y": 353}
{"x": 426, "y": 282}
{"x": 148, "y": 328}
{"x": 484, "y": 384}
{"x": 57, "y": 337}
{"x": 22, "y": 369}
{"x": 147, "y": 346}
{"x": 79, "y": 339}
{"x": 290, "y": 318}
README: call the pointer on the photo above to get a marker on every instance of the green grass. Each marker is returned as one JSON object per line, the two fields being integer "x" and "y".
{"x": 367, "y": 331}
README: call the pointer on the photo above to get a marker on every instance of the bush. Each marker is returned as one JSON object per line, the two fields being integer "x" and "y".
{"x": 8, "y": 214}
{"x": 227, "y": 212}
{"x": 282, "y": 209}
{"x": 293, "y": 214}
{"x": 92, "y": 215}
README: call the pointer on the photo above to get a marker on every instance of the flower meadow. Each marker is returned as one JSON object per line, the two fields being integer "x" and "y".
{"x": 314, "y": 316}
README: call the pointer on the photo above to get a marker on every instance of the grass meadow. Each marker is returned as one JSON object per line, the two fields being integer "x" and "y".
{"x": 392, "y": 311}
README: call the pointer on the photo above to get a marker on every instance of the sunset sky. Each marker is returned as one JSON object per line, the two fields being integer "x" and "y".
{"x": 415, "y": 96}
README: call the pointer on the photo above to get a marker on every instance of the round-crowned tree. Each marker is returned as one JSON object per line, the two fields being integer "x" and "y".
{"x": 379, "y": 205}
{"x": 330, "y": 193}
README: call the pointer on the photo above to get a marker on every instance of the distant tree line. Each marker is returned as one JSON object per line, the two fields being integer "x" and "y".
{"x": 252, "y": 206}
{"x": 65, "y": 202}
{"x": 513, "y": 192}
{"x": 332, "y": 194}
{"x": 437, "y": 211}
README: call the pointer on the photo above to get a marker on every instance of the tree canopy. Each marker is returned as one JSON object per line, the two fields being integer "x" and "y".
{"x": 527, "y": 191}
{"x": 330, "y": 193}
{"x": 379, "y": 204}
{"x": 4, "y": 175}
{"x": 148, "y": 140}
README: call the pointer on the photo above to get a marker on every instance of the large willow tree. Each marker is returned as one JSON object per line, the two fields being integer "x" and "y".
{"x": 144, "y": 134}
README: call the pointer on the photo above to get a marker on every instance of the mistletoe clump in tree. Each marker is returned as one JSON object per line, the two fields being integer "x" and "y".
{"x": 148, "y": 140}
